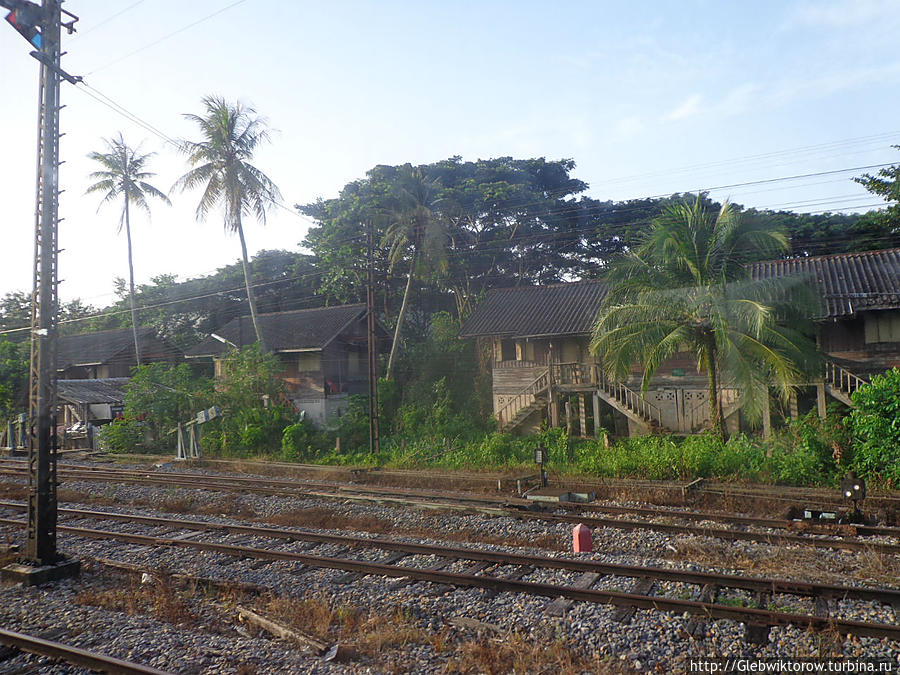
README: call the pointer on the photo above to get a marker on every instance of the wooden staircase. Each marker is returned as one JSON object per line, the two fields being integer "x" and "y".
{"x": 581, "y": 377}
{"x": 522, "y": 405}
{"x": 629, "y": 402}
{"x": 841, "y": 383}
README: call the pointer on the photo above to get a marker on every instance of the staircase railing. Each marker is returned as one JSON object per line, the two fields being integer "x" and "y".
{"x": 629, "y": 398}
{"x": 523, "y": 399}
{"x": 841, "y": 378}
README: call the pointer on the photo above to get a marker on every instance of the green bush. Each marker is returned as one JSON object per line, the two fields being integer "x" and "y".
{"x": 875, "y": 424}
{"x": 122, "y": 435}
{"x": 300, "y": 442}
{"x": 161, "y": 396}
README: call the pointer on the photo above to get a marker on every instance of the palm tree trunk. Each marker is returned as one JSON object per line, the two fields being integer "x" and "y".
{"x": 715, "y": 405}
{"x": 390, "y": 365}
{"x": 134, "y": 323}
{"x": 250, "y": 298}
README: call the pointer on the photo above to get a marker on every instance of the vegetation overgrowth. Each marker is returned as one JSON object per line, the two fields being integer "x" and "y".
{"x": 479, "y": 226}
{"x": 809, "y": 451}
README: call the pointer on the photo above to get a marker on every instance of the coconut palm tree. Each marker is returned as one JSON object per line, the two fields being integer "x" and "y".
{"x": 686, "y": 288}
{"x": 416, "y": 232}
{"x": 230, "y": 133}
{"x": 123, "y": 176}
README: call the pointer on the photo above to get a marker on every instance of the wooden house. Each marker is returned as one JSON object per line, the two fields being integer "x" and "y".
{"x": 110, "y": 353}
{"x": 323, "y": 351}
{"x": 538, "y": 339}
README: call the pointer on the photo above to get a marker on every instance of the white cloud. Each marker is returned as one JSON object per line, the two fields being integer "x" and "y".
{"x": 842, "y": 13}
{"x": 689, "y": 108}
{"x": 628, "y": 127}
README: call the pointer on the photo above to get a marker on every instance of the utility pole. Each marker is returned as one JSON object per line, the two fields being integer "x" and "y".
{"x": 42, "y": 562}
{"x": 374, "y": 436}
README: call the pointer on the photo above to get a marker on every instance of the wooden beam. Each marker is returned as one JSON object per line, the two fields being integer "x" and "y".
{"x": 820, "y": 398}
{"x": 582, "y": 415}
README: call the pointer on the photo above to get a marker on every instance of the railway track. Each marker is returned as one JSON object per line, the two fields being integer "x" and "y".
{"x": 95, "y": 661}
{"x": 816, "y": 536}
{"x": 497, "y": 572}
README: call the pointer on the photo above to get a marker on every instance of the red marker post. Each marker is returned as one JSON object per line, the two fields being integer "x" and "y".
{"x": 581, "y": 539}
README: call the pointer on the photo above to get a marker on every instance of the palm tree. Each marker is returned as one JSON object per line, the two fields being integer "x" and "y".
{"x": 416, "y": 231}
{"x": 686, "y": 288}
{"x": 123, "y": 175}
{"x": 221, "y": 166}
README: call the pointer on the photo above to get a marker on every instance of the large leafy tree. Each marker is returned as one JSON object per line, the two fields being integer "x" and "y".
{"x": 416, "y": 234}
{"x": 124, "y": 176}
{"x": 230, "y": 134}
{"x": 685, "y": 287}
{"x": 508, "y": 222}
{"x": 886, "y": 184}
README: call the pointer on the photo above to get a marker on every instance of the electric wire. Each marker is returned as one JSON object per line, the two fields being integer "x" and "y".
{"x": 113, "y": 62}
{"x": 105, "y": 21}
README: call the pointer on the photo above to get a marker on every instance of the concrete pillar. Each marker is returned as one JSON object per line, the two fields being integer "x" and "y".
{"x": 569, "y": 422}
{"x": 767, "y": 417}
{"x": 820, "y": 398}
{"x": 582, "y": 415}
{"x": 596, "y": 403}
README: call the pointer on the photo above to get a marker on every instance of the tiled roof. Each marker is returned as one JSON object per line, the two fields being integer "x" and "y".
{"x": 847, "y": 282}
{"x": 109, "y": 390}
{"x": 534, "y": 311}
{"x": 284, "y": 331}
{"x": 90, "y": 348}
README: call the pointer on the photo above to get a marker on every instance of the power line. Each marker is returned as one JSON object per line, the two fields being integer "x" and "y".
{"x": 105, "y": 21}
{"x": 762, "y": 156}
{"x": 165, "y": 37}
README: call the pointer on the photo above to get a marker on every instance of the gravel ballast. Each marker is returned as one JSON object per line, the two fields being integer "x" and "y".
{"x": 215, "y": 641}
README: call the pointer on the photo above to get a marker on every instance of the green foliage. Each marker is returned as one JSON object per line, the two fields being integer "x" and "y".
{"x": 255, "y": 412}
{"x": 301, "y": 442}
{"x": 160, "y": 396}
{"x": 125, "y": 434}
{"x": 886, "y": 224}
{"x": 13, "y": 379}
{"x": 353, "y": 426}
{"x": 875, "y": 424}
{"x": 686, "y": 288}
{"x": 157, "y": 398}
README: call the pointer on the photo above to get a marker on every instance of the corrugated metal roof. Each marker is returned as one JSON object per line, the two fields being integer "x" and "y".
{"x": 847, "y": 282}
{"x": 108, "y": 390}
{"x": 535, "y": 311}
{"x": 100, "y": 347}
{"x": 284, "y": 331}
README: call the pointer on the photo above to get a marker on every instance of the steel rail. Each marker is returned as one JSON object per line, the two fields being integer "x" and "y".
{"x": 758, "y": 584}
{"x": 74, "y": 655}
{"x": 747, "y": 615}
{"x": 710, "y": 487}
{"x": 263, "y": 486}
{"x": 722, "y": 488}
{"x": 654, "y": 512}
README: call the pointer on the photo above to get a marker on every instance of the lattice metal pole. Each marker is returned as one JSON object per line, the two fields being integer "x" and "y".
{"x": 41, "y": 520}
{"x": 374, "y": 435}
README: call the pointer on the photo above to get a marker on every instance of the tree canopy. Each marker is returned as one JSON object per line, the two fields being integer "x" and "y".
{"x": 685, "y": 287}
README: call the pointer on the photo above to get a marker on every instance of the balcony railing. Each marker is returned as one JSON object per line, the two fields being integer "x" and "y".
{"x": 512, "y": 363}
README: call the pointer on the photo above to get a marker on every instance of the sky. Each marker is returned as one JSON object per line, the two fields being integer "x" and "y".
{"x": 648, "y": 98}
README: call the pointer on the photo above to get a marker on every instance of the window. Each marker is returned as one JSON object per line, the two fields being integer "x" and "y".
{"x": 309, "y": 362}
{"x": 882, "y": 327}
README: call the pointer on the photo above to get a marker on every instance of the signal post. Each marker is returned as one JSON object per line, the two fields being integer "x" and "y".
{"x": 41, "y": 562}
